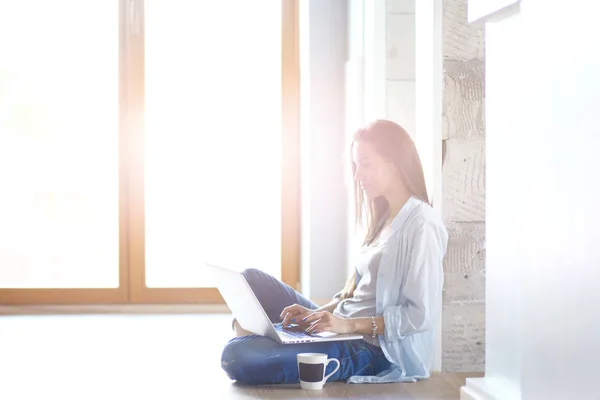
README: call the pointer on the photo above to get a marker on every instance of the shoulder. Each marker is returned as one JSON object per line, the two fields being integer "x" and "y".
{"x": 422, "y": 222}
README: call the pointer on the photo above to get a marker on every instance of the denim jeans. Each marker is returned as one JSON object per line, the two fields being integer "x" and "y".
{"x": 259, "y": 360}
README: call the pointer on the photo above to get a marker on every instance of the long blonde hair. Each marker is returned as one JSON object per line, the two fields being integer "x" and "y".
{"x": 393, "y": 142}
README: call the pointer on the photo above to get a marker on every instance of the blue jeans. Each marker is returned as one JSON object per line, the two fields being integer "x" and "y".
{"x": 259, "y": 360}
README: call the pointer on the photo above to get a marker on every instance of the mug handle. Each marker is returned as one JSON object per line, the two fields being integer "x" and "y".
{"x": 334, "y": 371}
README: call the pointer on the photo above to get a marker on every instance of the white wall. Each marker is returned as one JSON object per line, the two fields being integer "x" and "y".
{"x": 543, "y": 194}
{"x": 374, "y": 59}
{"x": 323, "y": 53}
{"x": 401, "y": 64}
{"x": 506, "y": 156}
{"x": 562, "y": 281}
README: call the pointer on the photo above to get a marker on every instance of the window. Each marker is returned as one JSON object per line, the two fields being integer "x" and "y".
{"x": 141, "y": 138}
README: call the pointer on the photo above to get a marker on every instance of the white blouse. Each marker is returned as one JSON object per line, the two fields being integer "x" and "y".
{"x": 363, "y": 302}
{"x": 409, "y": 293}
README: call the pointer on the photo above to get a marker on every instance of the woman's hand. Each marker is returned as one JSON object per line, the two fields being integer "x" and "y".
{"x": 324, "y": 321}
{"x": 295, "y": 311}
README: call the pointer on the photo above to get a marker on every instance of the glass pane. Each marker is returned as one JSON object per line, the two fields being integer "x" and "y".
{"x": 213, "y": 126}
{"x": 59, "y": 221}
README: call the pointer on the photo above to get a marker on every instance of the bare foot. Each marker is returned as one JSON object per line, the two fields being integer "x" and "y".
{"x": 239, "y": 331}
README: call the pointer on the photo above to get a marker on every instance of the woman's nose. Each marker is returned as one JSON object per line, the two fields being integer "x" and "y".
{"x": 357, "y": 175}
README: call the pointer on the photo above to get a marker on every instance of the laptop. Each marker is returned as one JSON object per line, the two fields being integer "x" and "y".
{"x": 252, "y": 317}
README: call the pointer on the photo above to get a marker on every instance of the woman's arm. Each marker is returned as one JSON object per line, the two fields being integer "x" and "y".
{"x": 325, "y": 321}
{"x": 422, "y": 288}
{"x": 296, "y": 312}
{"x": 330, "y": 306}
{"x": 365, "y": 325}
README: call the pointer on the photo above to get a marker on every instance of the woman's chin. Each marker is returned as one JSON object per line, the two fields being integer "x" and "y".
{"x": 369, "y": 194}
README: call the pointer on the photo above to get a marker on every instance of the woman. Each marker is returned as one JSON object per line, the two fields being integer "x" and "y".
{"x": 394, "y": 296}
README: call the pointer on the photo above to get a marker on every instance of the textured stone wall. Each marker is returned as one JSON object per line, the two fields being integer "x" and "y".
{"x": 463, "y": 191}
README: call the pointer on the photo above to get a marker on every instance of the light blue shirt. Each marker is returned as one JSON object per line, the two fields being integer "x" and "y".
{"x": 409, "y": 293}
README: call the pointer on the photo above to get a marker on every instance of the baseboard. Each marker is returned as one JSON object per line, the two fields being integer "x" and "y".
{"x": 116, "y": 309}
{"x": 467, "y": 393}
{"x": 489, "y": 389}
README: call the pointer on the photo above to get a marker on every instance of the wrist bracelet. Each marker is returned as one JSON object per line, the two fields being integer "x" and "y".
{"x": 374, "y": 327}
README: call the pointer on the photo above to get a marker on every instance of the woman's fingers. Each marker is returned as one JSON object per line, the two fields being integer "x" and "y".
{"x": 313, "y": 322}
{"x": 286, "y": 311}
{"x": 288, "y": 318}
{"x": 301, "y": 316}
{"x": 318, "y": 326}
{"x": 289, "y": 313}
{"x": 315, "y": 316}
{"x": 318, "y": 322}
{"x": 312, "y": 327}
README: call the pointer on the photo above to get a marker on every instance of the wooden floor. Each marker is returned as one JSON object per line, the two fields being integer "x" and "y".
{"x": 152, "y": 357}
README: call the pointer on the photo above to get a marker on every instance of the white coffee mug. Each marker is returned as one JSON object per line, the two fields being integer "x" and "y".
{"x": 311, "y": 367}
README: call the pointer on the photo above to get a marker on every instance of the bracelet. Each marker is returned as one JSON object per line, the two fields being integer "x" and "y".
{"x": 373, "y": 327}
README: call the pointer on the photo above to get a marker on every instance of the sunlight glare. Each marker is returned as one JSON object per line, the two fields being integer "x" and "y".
{"x": 213, "y": 127}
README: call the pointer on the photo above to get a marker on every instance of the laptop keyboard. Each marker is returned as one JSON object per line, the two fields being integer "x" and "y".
{"x": 292, "y": 334}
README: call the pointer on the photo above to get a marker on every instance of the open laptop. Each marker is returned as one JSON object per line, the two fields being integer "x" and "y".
{"x": 252, "y": 317}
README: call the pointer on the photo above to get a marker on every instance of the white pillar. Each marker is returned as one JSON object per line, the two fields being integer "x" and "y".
{"x": 543, "y": 192}
{"x": 429, "y": 96}
{"x": 323, "y": 39}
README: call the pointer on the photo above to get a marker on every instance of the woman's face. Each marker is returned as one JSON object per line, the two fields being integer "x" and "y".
{"x": 375, "y": 174}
